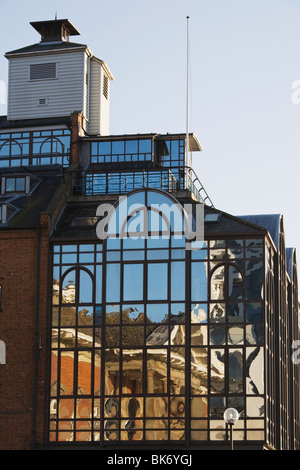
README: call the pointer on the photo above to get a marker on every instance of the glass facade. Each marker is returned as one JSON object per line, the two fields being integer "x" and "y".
{"x": 152, "y": 342}
{"x": 45, "y": 147}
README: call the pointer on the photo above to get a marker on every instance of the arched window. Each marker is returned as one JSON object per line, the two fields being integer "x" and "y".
{"x": 52, "y": 151}
{"x": 77, "y": 286}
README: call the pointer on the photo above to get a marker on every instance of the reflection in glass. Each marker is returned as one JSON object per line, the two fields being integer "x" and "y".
{"x": 198, "y": 335}
{"x": 133, "y": 282}
{"x": 217, "y": 370}
{"x": 199, "y": 371}
{"x": 67, "y": 316}
{"x": 112, "y": 314}
{"x": 199, "y": 313}
{"x": 254, "y": 280}
{"x": 255, "y": 407}
{"x": 68, "y": 287}
{"x": 177, "y": 335}
{"x": 157, "y": 370}
{"x": 254, "y": 252}
{"x": 217, "y": 253}
{"x": 67, "y": 372}
{"x": 199, "y": 281}
{"x": 178, "y": 280}
{"x": 199, "y": 409}
{"x": 235, "y": 312}
{"x": 85, "y": 287}
{"x": 254, "y": 371}
{"x": 156, "y": 407}
{"x": 112, "y": 361}
{"x": 84, "y": 373}
{"x": 255, "y": 334}
{"x": 157, "y": 313}
{"x": 132, "y": 336}
{"x": 112, "y": 336}
{"x": 113, "y": 282}
{"x": 235, "y": 283}
{"x": 217, "y": 335}
{"x": 254, "y": 312}
{"x": 235, "y": 335}
{"x": 133, "y": 313}
{"x": 235, "y": 370}
{"x": 217, "y": 407}
{"x": 177, "y": 371}
{"x": 85, "y": 316}
{"x": 157, "y": 281}
{"x": 235, "y": 248}
{"x": 67, "y": 338}
{"x": 177, "y": 313}
{"x": 217, "y": 312}
{"x": 132, "y": 371}
{"x": 217, "y": 283}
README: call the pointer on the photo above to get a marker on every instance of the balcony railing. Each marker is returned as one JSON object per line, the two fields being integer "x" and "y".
{"x": 112, "y": 182}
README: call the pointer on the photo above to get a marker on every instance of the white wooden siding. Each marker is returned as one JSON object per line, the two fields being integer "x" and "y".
{"x": 104, "y": 107}
{"x": 95, "y": 90}
{"x": 99, "y": 105}
{"x": 64, "y": 95}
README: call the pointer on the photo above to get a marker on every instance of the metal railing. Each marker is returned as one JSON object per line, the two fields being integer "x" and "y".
{"x": 122, "y": 182}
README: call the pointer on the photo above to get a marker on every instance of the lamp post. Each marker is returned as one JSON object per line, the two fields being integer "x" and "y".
{"x": 231, "y": 416}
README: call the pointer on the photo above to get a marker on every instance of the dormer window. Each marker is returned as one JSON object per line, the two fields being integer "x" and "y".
{"x": 12, "y": 184}
{"x": 6, "y": 212}
{"x": 15, "y": 185}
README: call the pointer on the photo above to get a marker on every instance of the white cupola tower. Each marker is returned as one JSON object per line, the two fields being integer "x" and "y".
{"x": 56, "y": 77}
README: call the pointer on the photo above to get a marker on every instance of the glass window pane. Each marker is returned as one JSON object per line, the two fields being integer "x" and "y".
{"x": 254, "y": 312}
{"x": 255, "y": 367}
{"x": 133, "y": 282}
{"x": 217, "y": 312}
{"x": 157, "y": 281}
{"x": 177, "y": 280}
{"x": 217, "y": 283}
{"x": 235, "y": 370}
{"x": 199, "y": 282}
{"x": 157, "y": 313}
{"x": 235, "y": 283}
{"x": 157, "y": 370}
{"x": 254, "y": 280}
{"x": 68, "y": 287}
{"x": 199, "y": 371}
{"x": 85, "y": 287}
{"x": 235, "y": 312}
{"x": 199, "y": 313}
{"x": 113, "y": 282}
{"x": 217, "y": 372}
{"x": 20, "y": 184}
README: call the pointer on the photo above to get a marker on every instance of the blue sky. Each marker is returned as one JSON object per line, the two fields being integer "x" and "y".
{"x": 244, "y": 60}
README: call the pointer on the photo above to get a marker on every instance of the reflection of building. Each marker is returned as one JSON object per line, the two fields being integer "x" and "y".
{"x": 129, "y": 339}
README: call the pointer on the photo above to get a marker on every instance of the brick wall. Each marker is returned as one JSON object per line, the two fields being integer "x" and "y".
{"x": 18, "y": 277}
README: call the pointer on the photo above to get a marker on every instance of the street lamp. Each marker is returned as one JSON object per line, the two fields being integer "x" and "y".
{"x": 231, "y": 416}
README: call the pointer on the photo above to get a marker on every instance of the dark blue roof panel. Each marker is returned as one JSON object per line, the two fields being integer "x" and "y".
{"x": 270, "y": 222}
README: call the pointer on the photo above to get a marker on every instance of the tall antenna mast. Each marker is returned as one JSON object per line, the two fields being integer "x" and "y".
{"x": 187, "y": 91}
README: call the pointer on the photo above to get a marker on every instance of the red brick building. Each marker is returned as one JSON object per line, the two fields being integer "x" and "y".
{"x": 141, "y": 340}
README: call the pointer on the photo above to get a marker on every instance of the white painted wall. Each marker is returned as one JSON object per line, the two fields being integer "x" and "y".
{"x": 99, "y": 105}
{"x": 64, "y": 94}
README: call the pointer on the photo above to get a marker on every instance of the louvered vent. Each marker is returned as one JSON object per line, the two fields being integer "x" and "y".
{"x": 43, "y": 71}
{"x": 105, "y": 86}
